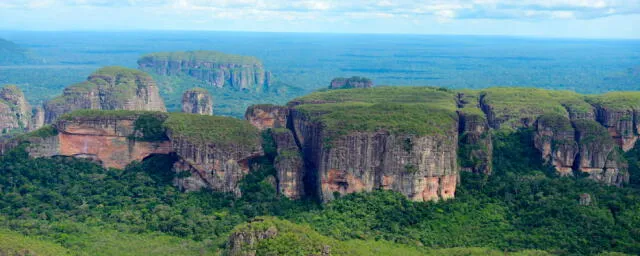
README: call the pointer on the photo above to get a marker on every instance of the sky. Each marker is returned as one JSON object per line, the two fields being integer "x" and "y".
{"x": 539, "y": 18}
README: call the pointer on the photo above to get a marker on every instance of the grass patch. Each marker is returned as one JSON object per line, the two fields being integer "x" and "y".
{"x": 92, "y": 114}
{"x": 213, "y": 130}
{"x": 200, "y": 56}
{"x": 13, "y": 243}
{"x": 617, "y": 100}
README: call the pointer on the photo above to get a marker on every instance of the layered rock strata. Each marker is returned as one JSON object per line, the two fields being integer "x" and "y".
{"x": 15, "y": 111}
{"x": 214, "y": 68}
{"x": 197, "y": 101}
{"x": 109, "y": 88}
{"x": 267, "y": 116}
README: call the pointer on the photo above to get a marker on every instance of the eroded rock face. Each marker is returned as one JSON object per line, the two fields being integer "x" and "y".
{"x": 243, "y": 243}
{"x": 15, "y": 112}
{"x": 352, "y": 82}
{"x": 555, "y": 139}
{"x": 197, "y": 101}
{"x": 37, "y": 120}
{"x": 476, "y": 146}
{"x": 267, "y": 116}
{"x": 289, "y": 164}
{"x": 623, "y": 125}
{"x": 422, "y": 168}
{"x": 599, "y": 156}
{"x": 218, "y": 167}
{"x": 216, "y": 69}
{"x": 110, "y": 88}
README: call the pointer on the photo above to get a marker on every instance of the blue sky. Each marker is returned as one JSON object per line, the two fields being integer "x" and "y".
{"x": 547, "y": 18}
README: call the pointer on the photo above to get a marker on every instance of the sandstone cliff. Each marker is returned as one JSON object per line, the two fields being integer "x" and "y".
{"x": 15, "y": 112}
{"x": 619, "y": 113}
{"x": 215, "y": 151}
{"x": 475, "y": 147}
{"x": 555, "y": 139}
{"x": 352, "y": 82}
{"x": 197, "y": 101}
{"x": 289, "y": 164}
{"x": 215, "y": 68}
{"x": 267, "y": 116}
{"x": 109, "y": 88}
{"x": 352, "y": 141}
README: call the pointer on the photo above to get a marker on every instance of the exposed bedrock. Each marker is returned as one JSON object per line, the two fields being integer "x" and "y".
{"x": 197, "y": 101}
{"x": 109, "y": 88}
{"x": 623, "y": 124}
{"x": 267, "y": 116}
{"x": 289, "y": 164}
{"x": 421, "y": 167}
{"x": 475, "y": 146}
{"x": 15, "y": 111}
{"x": 215, "y": 68}
{"x": 581, "y": 146}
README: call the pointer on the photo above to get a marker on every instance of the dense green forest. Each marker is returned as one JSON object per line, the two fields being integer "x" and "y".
{"x": 49, "y": 206}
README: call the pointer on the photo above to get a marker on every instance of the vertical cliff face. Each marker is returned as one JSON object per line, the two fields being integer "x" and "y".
{"x": 619, "y": 112}
{"x": 110, "y": 88}
{"x": 15, "y": 112}
{"x": 350, "y": 147}
{"x": 267, "y": 116}
{"x": 599, "y": 156}
{"x": 197, "y": 101}
{"x": 215, "y": 68}
{"x": 555, "y": 139}
{"x": 289, "y": 164}
{"x": 475, "y": 147}
{"x": 214, "y": 151}
{"x": 37, "y": 121}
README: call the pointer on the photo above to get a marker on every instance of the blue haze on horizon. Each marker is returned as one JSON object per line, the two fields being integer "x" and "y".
{"x": 538, "y": 18}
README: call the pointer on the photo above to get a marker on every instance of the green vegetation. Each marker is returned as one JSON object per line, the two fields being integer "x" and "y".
{"x": 13, "y": 243}
{"x": 617, "y": 100}
{"x": 208, "y": 56}
{"x": 436, "y": 96}
{"x": 223, "y": 131}
{"x": 93, "y": 114}
{"x": 416, "y": 119}
{"x": 511, "y": 104}
{"x": 150, "y": 126}
{"x": 521, "y": 208}
{"x": 12, "y": 54}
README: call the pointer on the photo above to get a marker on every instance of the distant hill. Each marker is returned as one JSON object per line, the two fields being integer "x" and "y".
{"x": 13, "y": 54}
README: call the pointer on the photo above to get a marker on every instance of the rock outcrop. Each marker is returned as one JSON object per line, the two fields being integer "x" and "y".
{"x": 352, "y": 82}
{"x": 581, "y": 146}
{"x": 599, "y": 156}
{"x": 15, "y": 112}
{"x": 619, "y": 112}
{"x": 109, "y": 88}
{"x": 267, "y": 116}
{"x": 37, "y": 120}
{"x": 215, "y": 157}
{"x": 289, "y": 164}
{"x": 214, "y": 68}
{"x": 555, "y": 139}
{"x": 475, "y": 147}
{"x": 215, "y": 151}
{"x": 197, "y": 101}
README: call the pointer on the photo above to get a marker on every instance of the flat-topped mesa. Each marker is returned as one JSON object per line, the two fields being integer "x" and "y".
{"x": 513, "y": 108}
{"x": 111, "y": 138}
{"x": 15, "y": 112}
{"x": 619, "y": 112}
{"x": 109, "y": 88}
{"x": 384, "y": 138}
{"x": 215, "y": 151}
{"x": 267, "y": 116}
{"x": 197, "y": 101}
{"x": 215, "y": 68}
{"x": 352, "y": 82}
